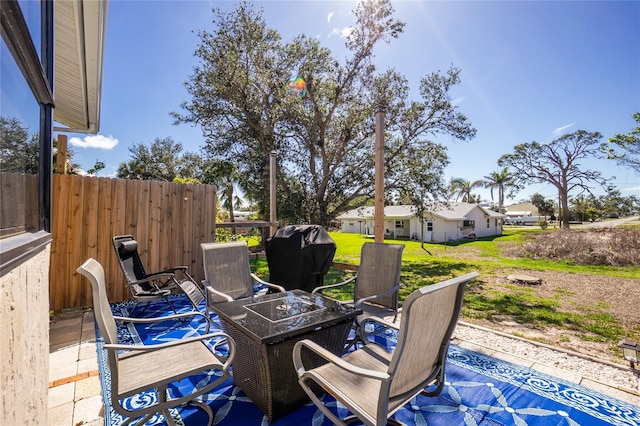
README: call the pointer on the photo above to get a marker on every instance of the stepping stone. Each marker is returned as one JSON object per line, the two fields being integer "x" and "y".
{"x": 524, "y": 279}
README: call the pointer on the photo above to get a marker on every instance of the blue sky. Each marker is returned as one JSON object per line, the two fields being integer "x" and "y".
{"x": 530, "y": 71}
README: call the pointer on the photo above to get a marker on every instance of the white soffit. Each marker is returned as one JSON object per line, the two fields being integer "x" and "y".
{"x": 80, "y": 27}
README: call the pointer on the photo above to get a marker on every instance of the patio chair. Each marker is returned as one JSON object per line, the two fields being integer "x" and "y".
{"x": 373, "y": 383}
{"x": 139, "y": 368}
{"x": 228, "y": 273}
{"x": 146, "y": 287}
{"x": 377, "y": 283}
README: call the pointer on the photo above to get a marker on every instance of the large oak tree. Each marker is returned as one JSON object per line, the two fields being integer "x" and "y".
{"x": 323, "y": 140}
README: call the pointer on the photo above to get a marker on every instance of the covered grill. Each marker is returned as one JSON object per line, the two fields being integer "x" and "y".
{"x": 299, "y": 256}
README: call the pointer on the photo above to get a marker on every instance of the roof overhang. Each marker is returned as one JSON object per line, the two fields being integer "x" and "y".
{"x": 80, "y": 28}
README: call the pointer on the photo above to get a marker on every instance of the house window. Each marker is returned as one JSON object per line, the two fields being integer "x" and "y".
{"x": 429, "y": 226}
{"x": 469, "y": 224}
{"x": 25, "y": 129}
{"x": 488, "y": 223}
{"x": 399, "y": 223}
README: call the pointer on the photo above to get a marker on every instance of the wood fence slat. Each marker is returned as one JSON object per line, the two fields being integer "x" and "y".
{"x": 155, "y": 239}
{"x": 31, "y": 196}
{"x": 89, "y": 231}
{"x": 175, "y": 231}
{"x": 60, "y": 218}
{"x": 104, "y": 252}
{"x": 165, "y": 217}
{"x": 145, "y": 247}
{"x": 197, "y": 230}
{"x": 187, "y": 221}
{"x": 74, "y": 235}
{"x": 117, "y": 290}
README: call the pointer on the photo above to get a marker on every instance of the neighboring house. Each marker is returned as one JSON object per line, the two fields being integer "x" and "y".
{"x": 64, "y": 69}
{"x": 446, "y": 223}
{"x": 523, "y": 214}
{"x": 522, "y": 210}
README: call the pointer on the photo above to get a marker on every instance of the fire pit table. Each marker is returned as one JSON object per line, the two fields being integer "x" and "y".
{"x": 266, "y": 328}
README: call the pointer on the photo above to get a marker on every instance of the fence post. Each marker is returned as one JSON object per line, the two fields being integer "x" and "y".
{"x": 61, "y": 155}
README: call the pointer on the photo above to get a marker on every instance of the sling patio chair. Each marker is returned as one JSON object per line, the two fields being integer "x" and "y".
{"x": 373, "y": 383}
{"x": 227, "y": 272}
{"x": 146, "y": 287}
{"x": 140, "y": 368}
{"x": 377, "y": 284}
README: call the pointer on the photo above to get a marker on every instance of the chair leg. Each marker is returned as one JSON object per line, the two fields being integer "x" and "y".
{"x": 353, "y": 342}
{"x": 142, "y": 421}
{"x": 134, "y": 308}
{"x": 354, "y": 419}
{"x": 206, "y": 409}
{"x": 146, "y": 305}
{"x": 166, "y": 298}
{"x": 168, "y": 418}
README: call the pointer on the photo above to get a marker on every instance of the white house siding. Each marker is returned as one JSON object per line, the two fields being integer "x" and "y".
{"x": 443, "y": 230}
{"x": 354, "y": 227}
{"x": 24, "y": 342}
{"x": 420, "y": 232}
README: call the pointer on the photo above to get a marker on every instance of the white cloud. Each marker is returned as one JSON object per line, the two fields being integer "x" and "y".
{"x": 560, "y": 130}
{"x": 637, "y": 188}
{"x": 344, "y": 32}
{"x": 94, "y": 141}
{"x": 330, "y": 16}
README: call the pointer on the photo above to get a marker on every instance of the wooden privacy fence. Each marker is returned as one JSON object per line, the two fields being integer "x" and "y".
{"x": 18, "y": 204}
{"x": 169, "y": 221}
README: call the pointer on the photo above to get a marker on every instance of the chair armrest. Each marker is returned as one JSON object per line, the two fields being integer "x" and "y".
{"x": 377, "y": 296}
{"x": 157, "y": 319}
{"x": 382, "y": 322}
{"x": 209, "y": 288}
{"x": 169, "y": 270}
{"x": 151, "y": 278}
{"x": 322, "y": 287}
{"x": 261, "y": 281}
{"x": 332, "y": 358}
{"x": 150, "y": 348}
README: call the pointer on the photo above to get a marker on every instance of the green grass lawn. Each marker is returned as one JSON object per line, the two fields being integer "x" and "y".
{"x": 436, "y": 262}
{"x": 422, "y": 266}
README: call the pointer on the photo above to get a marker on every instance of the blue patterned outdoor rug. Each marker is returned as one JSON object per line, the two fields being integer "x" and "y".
{"x": 480, "y": 390}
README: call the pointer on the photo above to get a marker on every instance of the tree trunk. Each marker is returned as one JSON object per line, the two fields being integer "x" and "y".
{"x": 229, "y": 191}
{"x": 565, "y": 209}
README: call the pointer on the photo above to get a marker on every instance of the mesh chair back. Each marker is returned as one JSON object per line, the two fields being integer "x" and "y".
{"x": 429, "y": 318}
{"x": 227, "y": 269}
{"x": 127, "y": 251}
{"x": 192, "y": 291}
{"x": 378, "y": 272}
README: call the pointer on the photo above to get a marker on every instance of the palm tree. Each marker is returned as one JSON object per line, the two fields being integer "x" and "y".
{"x": 461, "y": 188}
{"x": 500, "y": 180}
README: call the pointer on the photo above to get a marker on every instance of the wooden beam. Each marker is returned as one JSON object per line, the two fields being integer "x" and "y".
{"x": 272, "y": 193}
{"x": 379, "y": 177}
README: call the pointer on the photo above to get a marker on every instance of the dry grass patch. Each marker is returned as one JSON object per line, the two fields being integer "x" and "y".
{"x": 605, "y": 246}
